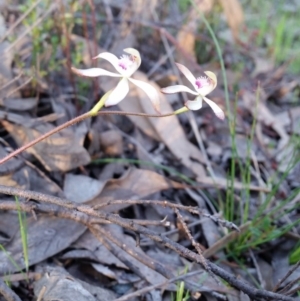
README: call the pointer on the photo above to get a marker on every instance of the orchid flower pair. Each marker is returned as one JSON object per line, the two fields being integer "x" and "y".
{"x": 128, "y": 64}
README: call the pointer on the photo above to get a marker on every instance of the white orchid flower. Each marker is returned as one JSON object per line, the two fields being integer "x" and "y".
{"x": 202, "y": 85}
{"x": 126, "y": 66}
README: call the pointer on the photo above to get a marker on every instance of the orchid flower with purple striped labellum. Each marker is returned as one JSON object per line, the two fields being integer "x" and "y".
{"x": 126, "y": 65}
{"x": 202, "y": 86}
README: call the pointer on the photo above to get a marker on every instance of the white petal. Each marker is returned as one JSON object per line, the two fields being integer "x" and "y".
{"x": 203, "y": 91}
{"x": 150, "y": 91}
{"x": 213, "y": 77}
{"x": 135, "y": 55}
{"x": 112, "y": 59}
{"x": 217, "y": 110}
{"x": 187, "y": 73}
{"x": 213, "y": 83}
{"x": 194, "y": 105}
{"x": 177, "y": 88}
{"x": 118, "y": 94}
{"x": 94, "y": 72}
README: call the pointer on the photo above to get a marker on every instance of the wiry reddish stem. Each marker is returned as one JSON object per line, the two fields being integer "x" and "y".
{"x": 72, "y": 122}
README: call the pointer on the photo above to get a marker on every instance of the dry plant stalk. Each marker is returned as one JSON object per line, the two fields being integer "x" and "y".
{"x": 89, "y": 217}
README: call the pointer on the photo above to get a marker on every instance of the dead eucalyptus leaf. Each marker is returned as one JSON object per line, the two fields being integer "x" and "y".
{"x": 135, "y": 183}
{"x": 81, "y": 188}
{"x": 45, "y": 237}
{"x": 61, "y": 152}
{"x": 58, "y": 284}
{"x": 111, "y": 142}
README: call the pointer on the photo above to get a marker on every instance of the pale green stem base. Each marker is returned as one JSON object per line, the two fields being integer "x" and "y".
{"x": 99, "y": 105}
{"x": 181, "y": 110}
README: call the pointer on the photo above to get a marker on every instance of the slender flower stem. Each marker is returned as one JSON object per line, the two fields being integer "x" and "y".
{"x": 99, "y": 105}
{"x": 74, "y": 121}
{"x": 181, "y": 110}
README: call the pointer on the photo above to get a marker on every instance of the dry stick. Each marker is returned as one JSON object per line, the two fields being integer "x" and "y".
{"x": 86, "y": 220}
{"x": 149, "y": 262}
{"x": 288, "y": 274}
{"x": 286, "y": 289}
{"x": 109, "y": 246}
{"x": 81, "y": 217}
{"x": 72, "y": 122}
{"x": 154, "y": 264}
{"x": 7, "y": 293}
{"x": 164, "y": 203}
{"x": 195, "y": 244}
{"x": 296, "y": 289}
{"x": 147, "y": 289}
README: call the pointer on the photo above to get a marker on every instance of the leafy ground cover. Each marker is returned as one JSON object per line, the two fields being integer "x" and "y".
{"x": 135, "y": 204}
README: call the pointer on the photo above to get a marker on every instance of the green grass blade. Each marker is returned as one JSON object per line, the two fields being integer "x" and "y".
{"x": 23, "y": 231}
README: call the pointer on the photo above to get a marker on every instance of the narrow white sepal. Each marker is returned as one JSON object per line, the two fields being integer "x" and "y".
{"x": 94, "y": 72}
{"x": 178, "y": 88}
{"x": 150, "y": 92}
{"x": 118, "y": 94}
{"x": 217, "y": 110}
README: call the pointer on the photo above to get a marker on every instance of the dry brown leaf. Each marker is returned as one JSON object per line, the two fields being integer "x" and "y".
{"x": 290, "y": 119}
{"x": 111, "y": 142}
{"x": 58, "y": 284}
{"x": 6, "y": 75}
{"x": 46, "y": 236}
{"x": 263, "y": 115}
{"x": 60, "y": 152}
{"x": 135, "y": 183}
{"x": 234, "y": 15}
{"x": 23, "y": 174}
{"x": 98, "y": 252}
{"x": 19, "y": 104}
{"x": 81, "y": 188}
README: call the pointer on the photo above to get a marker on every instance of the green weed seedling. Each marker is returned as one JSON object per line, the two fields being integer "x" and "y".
{"x": 180, "y": 295}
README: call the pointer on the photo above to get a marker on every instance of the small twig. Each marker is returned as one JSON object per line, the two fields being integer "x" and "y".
{"x": 11, "y": 81}
{"x": 144, "y": 222}
{"x": 148, "y": 261}
{"x": 286, "y": 289}
{"x": 259, "y": 275}
{"x": 288, "y": 274}
{"x": 296, "y": 289}
{"x": 195, "y": 245}
{"x": 20, "y": 19}
{"x": 190, "y": 237}
{"x": 164, "y": 203}
{"x": 100, "y": 234}
{"x": 19, "y": 87}
{"x": 36, "y": 23}
{"x": 147, "y": 289}
{"x": 7, "y": 293}
{"x": 41, "y": 293}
